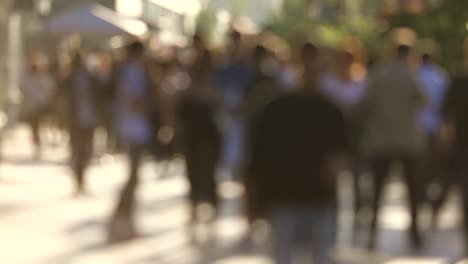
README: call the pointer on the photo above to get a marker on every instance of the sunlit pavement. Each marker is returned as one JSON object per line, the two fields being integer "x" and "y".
{"x": 42, "y": 223}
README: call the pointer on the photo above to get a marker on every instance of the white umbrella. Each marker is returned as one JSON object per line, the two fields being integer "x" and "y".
{"x": 96, "y": 20}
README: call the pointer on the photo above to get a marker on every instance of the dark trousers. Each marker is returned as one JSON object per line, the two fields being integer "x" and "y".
{"x": 107, "y": 123}
{"x": 122, "y": 222}
{"x": 461, "y": 178}
{"x": 465, "y": 206}
{"x": 201, "y": 163}
{"x": 81, "y": 140}
{"x": 35, "y": 126}
{"x": 440, "y": 169}
{"x": 380, "y": 167}
{"x": 126, "y": 204}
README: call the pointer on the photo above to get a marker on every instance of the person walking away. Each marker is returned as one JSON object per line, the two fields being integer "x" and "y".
{"x": 233, "y": 78}
{"x": 393, "y": 132}
{"x": 106, "y": 93}
{"x": 347, "y": 92}
{"x": 38, "y": 89}
{"x": 200, "y": 134}
{"x": 134, "y": 129}
{"x": 435, "y": 83}
{"x": 263, "y": 89}
{"x": 82, "y": 118}
{"x": 298, "y": 148}
{"x": 455, "y": 116}
{"x": 172, "y": 85}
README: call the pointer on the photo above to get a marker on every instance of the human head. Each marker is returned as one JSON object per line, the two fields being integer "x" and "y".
{"x": 346, "y": 59}
{"x": 235, "y": 37}
{"x": 33, "y": 65}
{"x": 310, "y": 57}
{"x": 235, "y": 45}
{"x": 198, "y": 41}
{"x": 204, "y": 66}
{"x": 260, "y": 53}
{"x": 135, "y": 50}
{"x": 426, "y": 59}
{"x": 77, "y": 60}
{"x": 265, "y": 61}
{"x": 309, "y": 54}
{"x": 403, "y": 53}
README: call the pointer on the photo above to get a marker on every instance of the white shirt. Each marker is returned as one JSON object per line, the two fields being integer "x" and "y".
{"x": 345, "y": 94}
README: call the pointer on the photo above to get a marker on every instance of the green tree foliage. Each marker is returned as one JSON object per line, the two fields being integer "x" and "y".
{"x": 292, "y": 19}
{"x": 446, "y": 24}
{"x": 333, "y": 24}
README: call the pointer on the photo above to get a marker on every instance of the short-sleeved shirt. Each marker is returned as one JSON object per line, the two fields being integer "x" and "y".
{"x": 133, "y": 126}
{"x": 435, "y": 84}
{"x": 346, "y": 94}
{"x": 394, "y": 101}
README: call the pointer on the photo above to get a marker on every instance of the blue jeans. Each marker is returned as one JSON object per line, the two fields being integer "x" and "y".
{"x": 318, "y": 223}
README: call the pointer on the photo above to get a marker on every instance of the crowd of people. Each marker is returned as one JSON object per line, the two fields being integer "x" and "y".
{"x": 284, "y": 126}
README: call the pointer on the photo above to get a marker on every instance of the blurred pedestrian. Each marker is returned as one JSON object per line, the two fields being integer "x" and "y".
{"x": 172, "y": 85}
{"x": 233, "y": 78}
{"x": 106, "y": 97}
{"x": 38, "y": 89}
{"x": 435, "y": 83}
{"x": 82, "y": 117}
{"x": 133, "y": 108}
{"x": 298, "y": 146}
{"x": 262, "y": 90}
{"x": 200, "y": 134}
{"x": 347, "y": 93}
{"x": 263, "y": 86}
{"x": 393, "y": 132}
{"x": 61, "y": 105}
{"x": 455, "y": 135}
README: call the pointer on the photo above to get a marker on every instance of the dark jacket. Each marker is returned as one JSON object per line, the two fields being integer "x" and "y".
{"x": 69, "y": 94}
{"x": 455, "y": 109}
{"x": 291, "y": 142}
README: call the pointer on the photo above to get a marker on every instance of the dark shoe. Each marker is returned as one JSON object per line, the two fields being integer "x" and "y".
{"x": 120, "y": 230}
{"x": 372, "y": 243}
{"x": 416, "y": 240}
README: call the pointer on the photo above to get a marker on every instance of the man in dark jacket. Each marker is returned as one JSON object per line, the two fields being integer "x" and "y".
{"x": 262, "y": 90}
{"x": 296, "y": 148}
{"x": 455, "y": 113}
